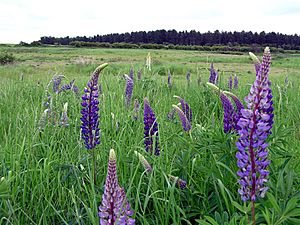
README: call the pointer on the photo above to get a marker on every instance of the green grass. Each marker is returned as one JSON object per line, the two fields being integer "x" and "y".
{"x": 47, "y": 175}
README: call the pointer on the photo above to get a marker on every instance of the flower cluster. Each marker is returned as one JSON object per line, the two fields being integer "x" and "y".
{"x": 236, "y": 81}
{"x": 150, "y": 129}
{"x": 115, "y": 208}
{"x": 136, "y": 109}
{"x": 255, "y": 123}
{"x": 230, "y": 83}
{"x": 90, "y": 111}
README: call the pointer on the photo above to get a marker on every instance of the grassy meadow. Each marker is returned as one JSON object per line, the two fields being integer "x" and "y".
{"x": 46, "y": 174}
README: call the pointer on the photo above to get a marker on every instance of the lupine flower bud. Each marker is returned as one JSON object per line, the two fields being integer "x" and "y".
{"x": 136, "y": 109}
{"x": 151, "y": 129}
{"x": 180, "y": 183}
{"x": 188, "y": 77}
{"x": 131, "y": 73}
{"x": 115, "y": 208}
{"x": 144, "y": 162}
{"x": 256, "y": 123}
{"x": 139, "y": 74}
{"x": 128, "y": 90}
{"x": 148, "y": 61}
{"x": 90, "y": 119}
{"x": 230, "y": 83}
{"x": 186, "y": 125}
{"x": 236, "y": 81}
{"x": 64, "y": 116}
{"x": 169, "y": 79}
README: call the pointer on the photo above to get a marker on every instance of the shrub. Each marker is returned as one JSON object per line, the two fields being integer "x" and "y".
{"x": 7, "y": 58}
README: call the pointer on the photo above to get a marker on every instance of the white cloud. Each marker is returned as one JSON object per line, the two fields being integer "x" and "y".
{"x": 28, "y": 20}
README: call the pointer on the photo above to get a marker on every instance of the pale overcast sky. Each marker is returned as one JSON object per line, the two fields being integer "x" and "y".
{"x": 28, "y": 20}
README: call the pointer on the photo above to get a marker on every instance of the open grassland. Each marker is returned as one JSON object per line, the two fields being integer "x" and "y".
{"x": 47, "y": 174}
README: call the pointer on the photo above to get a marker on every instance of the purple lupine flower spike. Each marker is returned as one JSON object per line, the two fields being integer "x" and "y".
{"x": 186, "y": 125}
{"x": 229, "y": 113}
{"x": 139, "y": 74}
{"x": 180, "y": 183}
{"x": 185, "y": 108}
{"x": 169, "y": 79}
{"x": 114, "y": 209}
{"x": 213, "y": 75}
{"x": 150, "y": 129}
{"x": 131, "y": 73}
{"x": 90, "y": 119}
{"x": 238, "y": 107}
{"x": 136, "y": 109}
{"x": 56, "y": 82}
{"x": 236, "y": 81}
{"x": 144, "y": 162}
{"x": 256, "y": 123}
{"x": 128, "y": 90}
{"x": 230, "y": 83}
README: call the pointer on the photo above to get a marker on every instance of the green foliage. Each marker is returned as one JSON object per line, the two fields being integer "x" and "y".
{"x": 7, "y": 58}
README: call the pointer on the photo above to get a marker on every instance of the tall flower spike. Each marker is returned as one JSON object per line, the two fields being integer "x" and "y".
{"x": 185, "y": 108}
{"x": 128, "y": 90}
{"x": 56, "y": 80}
{"x": 169, "y": 79}
{"x": 256, "y": 123}
{"x": 230, "y": 83}
{"x": 186, "y": 125}
{"x": 89, "y": 113}
{"x": 229, "y": 113}
{"x": 144, "y": 162}
{"x": 236, "y": 81}
{"x": 150, "y": 129}
{"x": 114, "y": 209}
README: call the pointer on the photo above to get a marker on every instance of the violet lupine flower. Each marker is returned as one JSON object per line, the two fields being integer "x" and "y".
{"x": 238, "y": 107}
{"x": 169, "y": 79}
{"x": 186, "y": 125}
{"x": 144, "y": 162}
{"x": 256, "y": 123}
{"x": 151, "y": 129}
{"x": 136, "y": 109}
{"x": 131, "y": 73}
{"x": 229, "y": 113}
{"x": 236, "y": 81}
{"x": 90, "y": 119}
{"x": 180, "y": 183}
{"x": 71, "y": 86}
{"x": 128, "y": 90}
{"x": 56, "y": 80}
{"x": 230, "y": 83}
{"x": 139, "y": 74}
{"x": 185, "y": 108}
{"x": 114, "y": 209}
{"x": 213, "y": 75}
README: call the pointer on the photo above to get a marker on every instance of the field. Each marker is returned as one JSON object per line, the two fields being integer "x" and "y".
{"x": 47, "y": 172}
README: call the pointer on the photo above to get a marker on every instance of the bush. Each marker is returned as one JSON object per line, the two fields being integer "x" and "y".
{"x": 7, "y": 58}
